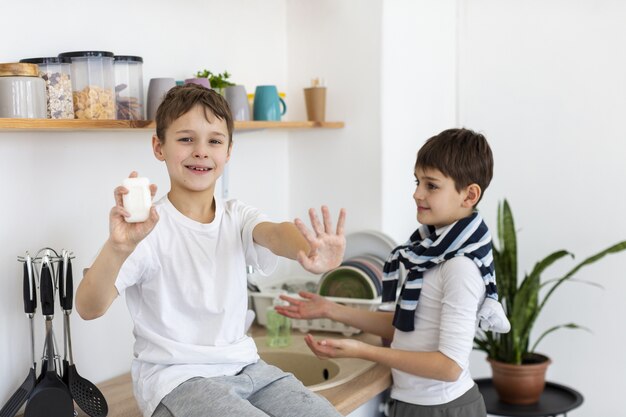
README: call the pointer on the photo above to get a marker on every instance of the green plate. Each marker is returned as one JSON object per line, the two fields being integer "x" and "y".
{"x": 346, "y": 282}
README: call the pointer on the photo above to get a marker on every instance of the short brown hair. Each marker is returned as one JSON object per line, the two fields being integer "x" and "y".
{"x": 461, "y": 154}
{"x": 180, "y": 99}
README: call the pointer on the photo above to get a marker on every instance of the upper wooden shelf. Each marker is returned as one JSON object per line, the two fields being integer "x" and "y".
{"x": 95, "y": 125}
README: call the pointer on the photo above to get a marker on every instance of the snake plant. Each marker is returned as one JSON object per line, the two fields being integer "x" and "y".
{"x": 524, "y": 301}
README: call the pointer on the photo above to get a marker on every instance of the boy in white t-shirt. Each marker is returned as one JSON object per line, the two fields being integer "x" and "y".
{"x": 449, "y": 288}
{"x": 184, "y": 274}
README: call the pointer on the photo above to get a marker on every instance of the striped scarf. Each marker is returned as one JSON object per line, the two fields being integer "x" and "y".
{"x": 426, "y": 249}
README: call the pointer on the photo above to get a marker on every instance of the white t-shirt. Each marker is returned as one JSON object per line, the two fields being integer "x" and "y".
{"x": 445, "y": 321}
{"x": 185, "y": 287}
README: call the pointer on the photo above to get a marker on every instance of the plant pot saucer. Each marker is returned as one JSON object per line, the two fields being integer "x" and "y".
{"x": 556, "y": 399}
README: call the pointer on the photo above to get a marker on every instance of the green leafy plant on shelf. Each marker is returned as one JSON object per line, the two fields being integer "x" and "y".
{"x": 217, "y": 81}
{"x": 522, "y": 302}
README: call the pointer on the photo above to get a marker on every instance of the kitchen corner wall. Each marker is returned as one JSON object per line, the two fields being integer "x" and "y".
{"x": 57, "y": 187}
{"x": 339, "y": 41}
{"x": 418, "y": 89}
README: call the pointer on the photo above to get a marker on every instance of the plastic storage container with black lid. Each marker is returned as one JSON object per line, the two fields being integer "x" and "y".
{"x": 93, "y": 84}
{"x": 129, "y": 87}
{"x": 55, "y": 71}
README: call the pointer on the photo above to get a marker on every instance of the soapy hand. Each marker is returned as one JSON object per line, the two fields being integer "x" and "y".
{"x": 312, "y": 306}
{"x": 127, "y": 235}
{"x": 327, "y": 246}
{"x": 335, "y": 348}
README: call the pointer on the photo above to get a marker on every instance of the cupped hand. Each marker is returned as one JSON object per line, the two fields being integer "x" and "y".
{"x": 311, "y": 306}
{"x": 336, "y": 348}
{"x": 127, "y": 235}
{"x": 327, "y": 246}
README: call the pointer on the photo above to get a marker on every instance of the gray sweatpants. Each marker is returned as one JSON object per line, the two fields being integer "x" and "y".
{"x": 259, "y": 390}
{"x": 470, "y": 404}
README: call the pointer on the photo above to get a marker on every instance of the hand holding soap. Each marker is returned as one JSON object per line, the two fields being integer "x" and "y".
{"x": 138, "y": 199}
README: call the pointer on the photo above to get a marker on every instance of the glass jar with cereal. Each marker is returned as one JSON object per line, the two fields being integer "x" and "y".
{"x": 93, "y": 84}
{"x": 55, "y": 72}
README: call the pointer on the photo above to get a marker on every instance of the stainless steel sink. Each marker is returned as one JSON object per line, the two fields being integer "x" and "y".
{"x": 316, "y": 374}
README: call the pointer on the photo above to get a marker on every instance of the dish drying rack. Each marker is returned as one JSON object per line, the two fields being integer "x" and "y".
{"x": 264, "y": 300}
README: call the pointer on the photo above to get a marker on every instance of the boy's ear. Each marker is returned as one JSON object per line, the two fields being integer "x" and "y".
{"x": 157, "y": 148}
{"x": 473, "y": 193}
{"x": 230, "y": 149}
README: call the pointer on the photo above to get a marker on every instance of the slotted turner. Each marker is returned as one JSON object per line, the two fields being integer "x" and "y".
{"x": 85, "y": 393}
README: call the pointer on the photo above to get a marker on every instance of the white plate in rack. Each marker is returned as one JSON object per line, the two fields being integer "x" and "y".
{"x": 369, "y": 242}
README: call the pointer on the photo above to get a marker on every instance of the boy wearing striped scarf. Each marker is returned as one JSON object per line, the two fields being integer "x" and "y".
{"x": 449, "y": 288}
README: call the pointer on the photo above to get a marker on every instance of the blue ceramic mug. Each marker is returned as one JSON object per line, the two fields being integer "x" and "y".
{"x": 267, "y": 103}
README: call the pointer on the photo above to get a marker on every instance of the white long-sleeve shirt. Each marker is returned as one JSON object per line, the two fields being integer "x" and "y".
{"x": 445, "y": 321}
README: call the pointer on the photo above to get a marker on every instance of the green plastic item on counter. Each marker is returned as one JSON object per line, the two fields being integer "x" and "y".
{"x": 278, "y": 326}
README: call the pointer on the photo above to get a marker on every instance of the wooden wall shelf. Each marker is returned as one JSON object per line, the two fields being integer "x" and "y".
{"x": 12, "y": 125}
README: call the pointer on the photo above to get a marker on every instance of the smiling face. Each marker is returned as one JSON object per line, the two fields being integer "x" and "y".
{"x": 195, "y": 149}
{"x": 438, "y": 201}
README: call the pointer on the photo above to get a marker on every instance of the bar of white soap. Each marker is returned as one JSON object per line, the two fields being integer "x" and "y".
{"x": 138, "y": 199}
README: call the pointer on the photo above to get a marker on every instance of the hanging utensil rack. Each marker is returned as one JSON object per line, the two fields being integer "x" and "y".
{"x": 59, "y": 386}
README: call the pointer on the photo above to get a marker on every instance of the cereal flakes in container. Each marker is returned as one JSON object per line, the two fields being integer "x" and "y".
{"x": 93, "y": 84}
{"x": 55, "y": 72}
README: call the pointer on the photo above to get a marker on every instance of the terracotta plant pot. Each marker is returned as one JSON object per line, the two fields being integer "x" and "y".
{"x": 520, "y": 384}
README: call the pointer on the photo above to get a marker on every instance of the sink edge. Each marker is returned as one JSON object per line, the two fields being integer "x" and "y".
{"x": 349, "y": 368}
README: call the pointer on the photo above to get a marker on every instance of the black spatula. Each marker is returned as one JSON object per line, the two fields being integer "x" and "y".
{"x": 85, "y": 393}
{"x": 50, "y": 398}
{"x": 20, "y": 396}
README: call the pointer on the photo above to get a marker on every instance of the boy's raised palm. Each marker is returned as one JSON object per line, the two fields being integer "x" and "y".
{"x": 327, "y": 245}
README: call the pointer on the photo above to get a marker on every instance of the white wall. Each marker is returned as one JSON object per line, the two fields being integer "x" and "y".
{"x": 341, "y": 42}
{"x": 545, "y": 82}
{"x": 418, "y": 89}
{"x": 57, "y": 187}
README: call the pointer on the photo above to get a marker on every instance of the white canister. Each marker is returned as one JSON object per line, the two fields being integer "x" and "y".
{"x": 22, "y": 91}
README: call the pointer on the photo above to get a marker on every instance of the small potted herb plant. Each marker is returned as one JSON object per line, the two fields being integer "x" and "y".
{"x": 218, "y": 82}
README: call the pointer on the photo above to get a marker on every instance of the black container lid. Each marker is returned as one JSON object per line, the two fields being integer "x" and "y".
{"x": 81, "y": 54}
{"x": 47, "y": 60}
{"x": 128, "y": 58}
